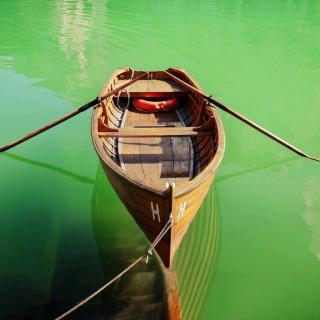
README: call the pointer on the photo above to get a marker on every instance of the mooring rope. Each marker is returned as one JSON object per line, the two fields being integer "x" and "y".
{"x": 145, "y": 257}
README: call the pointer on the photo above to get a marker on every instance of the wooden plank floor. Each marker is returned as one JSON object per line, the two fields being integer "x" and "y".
{"x": 154, "y": 159}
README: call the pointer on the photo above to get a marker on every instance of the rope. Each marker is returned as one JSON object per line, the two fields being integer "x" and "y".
{"x": 145, "y": 257}
{"x": 164, "y": 230}
{"x": 132, "y": 74}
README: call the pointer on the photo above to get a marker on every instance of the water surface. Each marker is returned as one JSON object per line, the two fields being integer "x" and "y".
{"x": 260, "y": 57}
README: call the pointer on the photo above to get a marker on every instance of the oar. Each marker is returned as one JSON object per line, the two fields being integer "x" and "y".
{"x": 242, "y": 118}
{"x": 68, "y": 116}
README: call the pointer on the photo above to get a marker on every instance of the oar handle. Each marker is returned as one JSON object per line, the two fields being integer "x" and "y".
{"x": 242, "y": 118}
{"x": 84, "y": 107}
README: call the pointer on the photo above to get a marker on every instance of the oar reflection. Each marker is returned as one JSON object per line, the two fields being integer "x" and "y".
{"x": 51, "y": 167}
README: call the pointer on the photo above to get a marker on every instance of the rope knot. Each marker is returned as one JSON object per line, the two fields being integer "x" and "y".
{"x": 148, "y": 255}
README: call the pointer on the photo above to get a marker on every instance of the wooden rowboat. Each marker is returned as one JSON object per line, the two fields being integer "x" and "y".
{"x": 161, "y": 164}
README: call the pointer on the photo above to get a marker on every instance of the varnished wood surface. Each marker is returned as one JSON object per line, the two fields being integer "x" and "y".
{"x": 156, "y": 132}
{"x": 184, "y": 209}
{"x": 155, "y": 157}
{"x": 139, "y": 202}
{"x": 152, "y": 87}
{"x": 141, "y": 168}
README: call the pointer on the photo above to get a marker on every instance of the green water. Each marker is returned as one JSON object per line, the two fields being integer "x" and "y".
{"x": 261, "y": 57}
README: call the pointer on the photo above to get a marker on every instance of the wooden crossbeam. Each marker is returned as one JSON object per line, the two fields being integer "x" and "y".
{"x": 153, "y": 88}
{"x": 157, "y": 132}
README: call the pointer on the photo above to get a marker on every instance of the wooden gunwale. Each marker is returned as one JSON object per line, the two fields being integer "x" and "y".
{"x": 184, "y": 187}
{"x": 187, "y": 193}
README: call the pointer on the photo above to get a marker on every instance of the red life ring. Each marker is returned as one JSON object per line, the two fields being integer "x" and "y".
{"x": 155, "y": 106}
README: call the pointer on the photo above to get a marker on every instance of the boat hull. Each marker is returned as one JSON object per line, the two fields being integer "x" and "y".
{"x": 151, "y": 210}
{"x": 167, "y": 176}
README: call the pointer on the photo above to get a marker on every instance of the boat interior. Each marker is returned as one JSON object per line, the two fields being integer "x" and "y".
{"x": 164, "y": 146}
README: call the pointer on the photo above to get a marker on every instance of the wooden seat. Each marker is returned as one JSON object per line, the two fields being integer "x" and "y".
{"x": 156, "y": 132}
{"x": 152, "y": 88}
{"x": 159, "y": 131}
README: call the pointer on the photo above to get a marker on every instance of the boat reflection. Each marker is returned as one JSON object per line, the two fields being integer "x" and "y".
{"x": 311, "y": 214}
{"x": 151, "y": 290}
{"x": 44, "y": 165}
{"x": 196, "y": 257}
{"x": 142, "y": 291}
{"x": 148, "y": 290}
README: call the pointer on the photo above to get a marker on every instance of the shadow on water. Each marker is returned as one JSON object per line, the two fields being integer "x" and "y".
{"x": 80, "y": 269}
{"x": 255, "y": 169}
{"x": 140, "y": 294}
{"x": 147, "y": 292}
{"x": 51, "y": 167}
{"x": 150, "y": 290}
{"x": 196, "y": 257}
